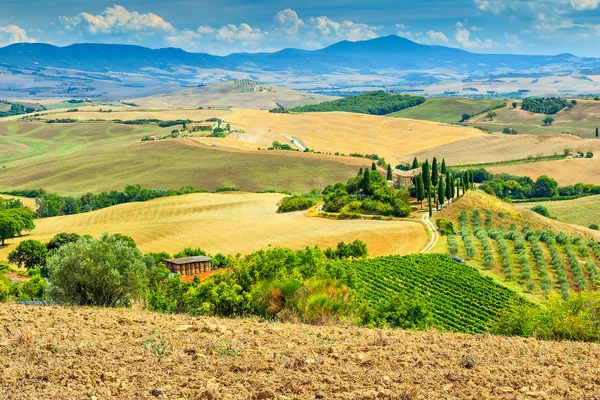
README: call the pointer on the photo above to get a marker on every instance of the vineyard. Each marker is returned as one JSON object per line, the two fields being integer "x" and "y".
{"x": 460, "y": 298}
{"x": 538, "y": 260}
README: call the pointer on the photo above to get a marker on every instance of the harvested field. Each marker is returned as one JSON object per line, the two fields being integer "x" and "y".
{"x": 566, "y": 172}
{"x": 348, "y": 133}
{"x": 494, "y": 148}
{"x": 229, "y": 224}
{"x": 82, "y": 353}
{"x": 25, "y": 200}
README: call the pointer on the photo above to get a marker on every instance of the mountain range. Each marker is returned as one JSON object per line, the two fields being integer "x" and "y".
{"x": 390, "y": 52}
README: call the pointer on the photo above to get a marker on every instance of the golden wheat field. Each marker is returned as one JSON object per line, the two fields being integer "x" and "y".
{"x": 353, "y": 133}
{"x": 228, "y": 223}
{"x": 566, "y": 172}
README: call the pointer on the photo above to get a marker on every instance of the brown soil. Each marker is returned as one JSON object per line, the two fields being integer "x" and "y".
{"x": 85, "y": 353}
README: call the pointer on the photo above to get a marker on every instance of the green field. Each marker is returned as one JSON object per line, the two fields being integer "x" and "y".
{"x": 581, "y": 121}
{"x": 448, "y": 110}
{"x": 75, "y": 158}
{"x": 461, "y": 299}
{"x": 584, "y": 211}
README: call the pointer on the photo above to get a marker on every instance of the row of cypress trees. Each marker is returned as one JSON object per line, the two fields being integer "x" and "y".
{"x": 439, "y": 184}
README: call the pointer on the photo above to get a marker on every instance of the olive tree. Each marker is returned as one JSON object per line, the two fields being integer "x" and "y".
{"x": 105, "y": 272}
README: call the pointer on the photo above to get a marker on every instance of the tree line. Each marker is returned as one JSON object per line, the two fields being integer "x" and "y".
{"x": 375, "y": 103}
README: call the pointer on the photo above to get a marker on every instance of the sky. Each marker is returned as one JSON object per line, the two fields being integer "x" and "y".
{"x": 228, "y": 26}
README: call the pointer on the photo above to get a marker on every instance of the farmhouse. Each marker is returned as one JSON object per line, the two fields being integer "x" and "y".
{"x": 190, "y": 265}
{"x": 202, "y": 126}
{"x": 404, "y": 178}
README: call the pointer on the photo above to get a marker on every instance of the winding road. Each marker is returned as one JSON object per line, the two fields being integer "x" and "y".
{"x": 434, "y": 233}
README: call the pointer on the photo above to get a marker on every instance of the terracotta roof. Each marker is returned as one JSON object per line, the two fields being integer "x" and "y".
{"x": 189, "y": 260}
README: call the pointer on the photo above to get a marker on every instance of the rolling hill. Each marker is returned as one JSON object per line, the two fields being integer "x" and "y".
{"x": 237, "y": 94}
{"x": 227, "y": 223}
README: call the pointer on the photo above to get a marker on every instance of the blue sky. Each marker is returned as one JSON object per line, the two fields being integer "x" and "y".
{"x": 226, "y": 26}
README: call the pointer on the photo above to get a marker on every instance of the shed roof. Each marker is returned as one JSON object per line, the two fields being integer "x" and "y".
{"x": 410, "y": 173}
{"x": 189, "y": 260}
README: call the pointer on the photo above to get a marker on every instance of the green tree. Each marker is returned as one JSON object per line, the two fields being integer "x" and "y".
{"x": 415, "y": 163}
{"x": 465, "y": 117}
{"x": 491, "y": 115}
{"x": 103, "y": 272}
{"x": 435, "y": 175}
{"x": 596, "y": 131}
{"x": 419, "y": 189}
{"x": 441, "y": 192}
{"x": 61, "y": 239}
{"x": 449, "y": 188}
{"x": 443, "y": 170}
{"x": 514, "y": 104}
{"x": 545, "y": 187}
{"x": 14, "y": 221}
{"x": 548, "y": 121}
{"x": 429, "y": 202}
{"x": 426, "y": 173}
{"x": 29, "y": 254}
{"x": 390, "y": 177}
{"x": 373, "y": 167}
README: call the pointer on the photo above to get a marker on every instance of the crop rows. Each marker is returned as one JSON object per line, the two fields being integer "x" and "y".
{"x": 460, "y": 298}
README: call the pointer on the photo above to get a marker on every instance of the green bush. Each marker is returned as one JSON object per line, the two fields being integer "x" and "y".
{"x": 541, "y": 210}
{"x": 595, "y": 227}
{"x": 296, "y": 203}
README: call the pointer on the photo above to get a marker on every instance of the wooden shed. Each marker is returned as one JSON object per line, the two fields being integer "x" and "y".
{"x": 190, "y": 265}
{"x": 403, "y": 179}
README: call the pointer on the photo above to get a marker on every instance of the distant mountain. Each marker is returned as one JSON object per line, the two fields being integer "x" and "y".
{"x": 390, "y": 52}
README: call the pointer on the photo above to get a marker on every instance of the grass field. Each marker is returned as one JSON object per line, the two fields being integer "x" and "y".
{"x": 348, "y": 133}
{"x": 228, "y": 94}
{"x": 131, "y": 113}
{"x": 584, "y": 211}
{"x": 230, "y": 224}
{"x": 449, "y": 109}
{"x": 582, "y": 120}
{"x": 80, "y": 157}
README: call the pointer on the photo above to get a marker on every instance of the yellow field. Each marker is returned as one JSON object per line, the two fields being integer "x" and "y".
{"x": 566, "y": 172}
{"x": 493, "y": 148}
{"x": 347, "y": 133}
{"x": 25, "y": 200}
{"x": 229, "y": 224}
{"x": 131, "y": 113}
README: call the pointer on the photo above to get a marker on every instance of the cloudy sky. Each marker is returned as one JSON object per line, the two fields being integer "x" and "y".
{"x": 226, "y": 26}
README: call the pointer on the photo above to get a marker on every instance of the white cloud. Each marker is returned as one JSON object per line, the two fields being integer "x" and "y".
{"x": 289, "y": 22}
{"x": 10, "y": 34}
{"x": 464, "y": 40}
{"x": 205, "y": 30}
{"x": 436, "y": 37}
{"x": 585, "y": 4}
{"x": 185, "y": 39}
{"x": 476, "y": 28}
{"x": 493, "y": 6}
{"x": 512, "y": 41}
{"x": 117, "y": 19}
{"x": 240, "y": 33}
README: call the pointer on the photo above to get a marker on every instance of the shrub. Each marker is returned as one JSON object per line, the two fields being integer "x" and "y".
{"x": 29, "y": 254}
{"x": 104, "y": 272}
{"x": 595, "y": 227}
{"x": 541, "y": 210}
{"x": 295, "y": 203}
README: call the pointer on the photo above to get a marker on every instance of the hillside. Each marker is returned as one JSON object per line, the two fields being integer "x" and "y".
{"x": 229, "y": 224}
{"x": 75, "y": 158}
{"x": 583, "y": 212}
{"x": 236, "y": 94}
{"x": 372, "y": 103}
{"x": 98, "y": 353}
{"x": 449, "y": 109}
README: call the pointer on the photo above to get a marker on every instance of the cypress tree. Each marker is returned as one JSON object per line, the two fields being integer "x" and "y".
{"x": 449, "y": 189}
{"x": 434, "y": 172}
{"x": 366, "y": 182}
{"x": 441, "y": 192}
{"x": 415, "y": 163}
{"x": 390, "y": 177}
{"x": 420, "y": 190}
{"x": 373, "y": 167}
{"x": 596, "y": 134}
{"x": 360, "y": 172}
{"x": 444, "y": 169}
{"x": 429, "y": 201}
{"x": 426, "y": 173}
{"x": 472, "y": 178}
